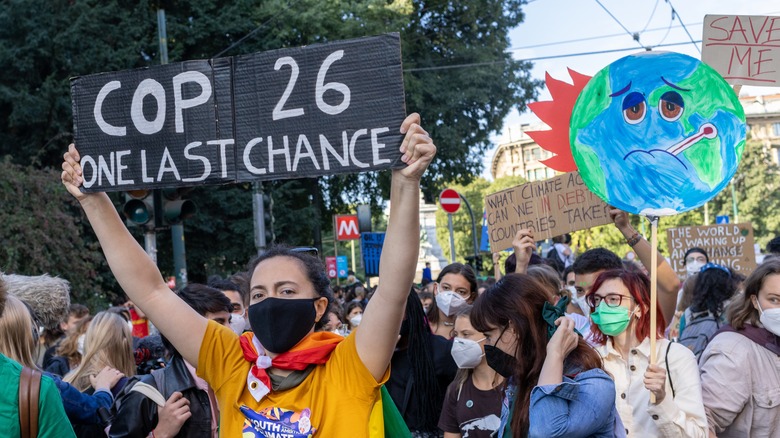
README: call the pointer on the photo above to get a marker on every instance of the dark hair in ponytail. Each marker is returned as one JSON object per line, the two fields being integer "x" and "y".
{"x": 426, "y": 393}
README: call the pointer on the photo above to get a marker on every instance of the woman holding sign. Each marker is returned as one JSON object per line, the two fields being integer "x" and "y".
{"x": 620, "y": 310}
{"x": 279, "y": 380}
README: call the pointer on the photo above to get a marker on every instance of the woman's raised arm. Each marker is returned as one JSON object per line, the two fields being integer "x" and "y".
{"x": 379, "y": 329}
{"x": 133, "y": 269}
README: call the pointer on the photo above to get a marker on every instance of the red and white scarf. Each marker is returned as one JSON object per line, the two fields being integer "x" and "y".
{"x": 315, "y": 349}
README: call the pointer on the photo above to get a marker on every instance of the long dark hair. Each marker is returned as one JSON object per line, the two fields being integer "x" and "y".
{"x": 713, "y": 287}
{"x": 467, "y": 272}
{"x": 517, "y": 300}
{"x": 426, "y": 391}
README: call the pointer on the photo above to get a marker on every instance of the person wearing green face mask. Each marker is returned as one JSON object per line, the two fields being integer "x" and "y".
{"x": 620, "y": 310}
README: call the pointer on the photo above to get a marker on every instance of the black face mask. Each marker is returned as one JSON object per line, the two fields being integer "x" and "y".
{"x": 281, "y": 323}
{"x": 501, "y": 362}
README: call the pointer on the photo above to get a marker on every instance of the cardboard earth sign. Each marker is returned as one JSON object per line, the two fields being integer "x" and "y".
{"x": 657, "y": 133}
{"x": 730, "y": 245}
{"x": 745, "y": 49}
{"x": 550, "y": 208}
{"x": 291, "y": 113}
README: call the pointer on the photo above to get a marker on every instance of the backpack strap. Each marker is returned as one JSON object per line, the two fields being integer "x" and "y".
{"x": 669, "y": 372}
{"x": 29, "y": 391}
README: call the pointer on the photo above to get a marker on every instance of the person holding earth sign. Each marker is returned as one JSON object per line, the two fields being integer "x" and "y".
{"x": 282, "y": 377}
{"x": 653, "y": 134}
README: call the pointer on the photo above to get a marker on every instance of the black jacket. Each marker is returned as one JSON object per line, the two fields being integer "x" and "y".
{"x": 135, "y": 415}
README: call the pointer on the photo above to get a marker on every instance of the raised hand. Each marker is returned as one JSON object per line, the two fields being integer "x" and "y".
{"x": 417, "y": 148}
{"x": 619, "y": 218}
{"x": 71, "y": 173}
{"x": 524, "y": 245}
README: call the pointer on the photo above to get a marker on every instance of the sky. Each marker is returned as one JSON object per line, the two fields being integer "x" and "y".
{"x": 562, "y": 27}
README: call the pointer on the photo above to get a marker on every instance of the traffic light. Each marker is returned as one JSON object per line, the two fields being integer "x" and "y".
{"x": 174, "y": 209}
{"x": 476, "y": 262}
{"x": 138, "y": 208}
{"x": 268, "y": 218}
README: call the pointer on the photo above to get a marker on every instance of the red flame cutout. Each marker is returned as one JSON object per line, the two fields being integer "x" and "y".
{"x": 556, "y": 114}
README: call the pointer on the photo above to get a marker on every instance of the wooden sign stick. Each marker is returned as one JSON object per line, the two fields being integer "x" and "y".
{"x": 653, "y": 291}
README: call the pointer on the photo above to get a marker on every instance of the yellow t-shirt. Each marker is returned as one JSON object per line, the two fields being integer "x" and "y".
{"x": 335, "y": 400}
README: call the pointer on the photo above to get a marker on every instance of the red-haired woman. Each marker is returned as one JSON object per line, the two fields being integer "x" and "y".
{"x": 620, "y": 310}
{"x": 556, "y": 385}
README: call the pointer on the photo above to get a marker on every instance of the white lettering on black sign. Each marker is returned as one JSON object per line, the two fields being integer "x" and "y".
{"x": 302, "y": 112}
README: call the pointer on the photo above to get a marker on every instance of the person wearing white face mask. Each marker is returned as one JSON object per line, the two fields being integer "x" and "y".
{"x": 239, "y": 302}
{"x": 455, "y": 288}
{"x": 354, "y": 315}
{"x": 740, "y": 368}
{"x": 694, "y": 259}
{"x": 472, "y": 405}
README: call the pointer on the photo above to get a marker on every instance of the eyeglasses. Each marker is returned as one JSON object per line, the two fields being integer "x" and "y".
{"x": 612, "y": 300}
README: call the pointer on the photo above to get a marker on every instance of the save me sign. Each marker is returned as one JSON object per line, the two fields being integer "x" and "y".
{"x": 744, "y": 49}
{"x": 291, "y": 113}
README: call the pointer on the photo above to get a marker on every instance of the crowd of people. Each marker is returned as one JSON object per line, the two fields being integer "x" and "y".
{"x": 558, "y": 345}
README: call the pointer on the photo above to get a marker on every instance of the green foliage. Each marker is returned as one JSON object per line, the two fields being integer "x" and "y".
{"x": 475, "y": 193}
{"x": 43, "y": 231}
{"x": 43, "y": 44}
{"x": 460, "y": 107}
{"x": 757, "y": 191}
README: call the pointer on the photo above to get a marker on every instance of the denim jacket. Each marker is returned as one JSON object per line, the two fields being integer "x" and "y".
{"x": 82, "y": 408}
{"x": 582, "y": 406}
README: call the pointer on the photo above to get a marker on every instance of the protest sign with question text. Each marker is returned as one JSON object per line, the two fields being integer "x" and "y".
{"x": 552, "y": 207}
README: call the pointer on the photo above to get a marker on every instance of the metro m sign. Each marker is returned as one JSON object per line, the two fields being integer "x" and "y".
{"x": 347, "y": 227}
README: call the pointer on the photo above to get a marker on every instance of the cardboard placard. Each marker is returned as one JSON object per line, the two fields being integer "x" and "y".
{"x": 550, "y": 208}
{"x": 303, "y": 112}
{"x": 730, "y": 245}
{"x": 744, "y": 49}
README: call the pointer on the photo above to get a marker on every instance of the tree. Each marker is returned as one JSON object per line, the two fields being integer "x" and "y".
{"x": 462, "y": 106}
{"x": 43, "y": 231}
{"x": 43, "y": 44}
{"x": 475, "y": 193}
{"x": 756, "y": 191}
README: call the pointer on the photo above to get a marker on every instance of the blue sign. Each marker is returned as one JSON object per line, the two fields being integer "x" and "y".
{"x": 484, "y": 242}
{"x": 341, "y": 266}
{"x": 721, "y": 219}
{"x": 371, "y": 247}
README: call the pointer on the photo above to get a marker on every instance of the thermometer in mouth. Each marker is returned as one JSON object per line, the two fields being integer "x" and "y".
{"x": 707, "y": 130}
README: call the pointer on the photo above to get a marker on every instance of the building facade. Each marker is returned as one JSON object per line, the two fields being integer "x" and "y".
{"x": 763, "y": 118}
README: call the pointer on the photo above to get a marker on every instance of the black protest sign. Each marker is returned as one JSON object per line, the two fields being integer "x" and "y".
{"x": 316, "y": 110}
{"x": 138, "y": 128}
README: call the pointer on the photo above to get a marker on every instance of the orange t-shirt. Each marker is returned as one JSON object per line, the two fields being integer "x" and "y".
{"x": 335, "y": 399}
